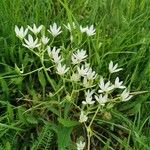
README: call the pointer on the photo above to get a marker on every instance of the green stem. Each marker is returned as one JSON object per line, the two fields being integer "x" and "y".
{"x": 46, "y": 73}
{"x": 94, "y": 116}
{"x": 109, "y": 76}
{"x": 52, "y": 41}
{"x": 34, "y": 52}
{"x": 43, "y": 93}
{"x": 89, "y": 140}
{"x": 89, "y": 129}
{"x": 13, "y": 76}
{"x": 47, "y": 76}
{"x": 32, "y": 71}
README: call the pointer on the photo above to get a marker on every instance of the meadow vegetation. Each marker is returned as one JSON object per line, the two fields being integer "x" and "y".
{"x": 41, "y": 109}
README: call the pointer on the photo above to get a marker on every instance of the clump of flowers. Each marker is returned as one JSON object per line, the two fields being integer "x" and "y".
{"x": 99, "y": 91}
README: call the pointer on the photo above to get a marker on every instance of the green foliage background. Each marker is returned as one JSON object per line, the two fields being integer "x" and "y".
{"x": 123, "y": 28}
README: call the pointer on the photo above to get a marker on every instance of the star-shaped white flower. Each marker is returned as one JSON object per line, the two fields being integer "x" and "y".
{"x": 21, "y": 33}
{"x": 44, "y": 40}
{"x": 118, "y": 84}
{"x": 86, "y": 83}
{"x": 80, "y": 145}
{"x": 90, "y": 30}
{"x": 54, "y": 54}
{"x": 54, "y": 30}
{"x": 82, "y": 29}
{"x": 82, "y": 71}
{"x": 83, "y": 117}
{"x": 102, "y": 99}
{"x": 88, "y": 99}
{"x": 78, "y": 56}
{"x": 61, "y": 69}
{"x": 105, "y": 87}
{"x": 70, "y": 26}
{"x": 35, "y": 29}
{"x": 113, "y": 68}
{"x": 125, "y": 96}
{"x": 30, "y": 43}
{"x": 75, "y": 77}
{"x": 91, "y": 75}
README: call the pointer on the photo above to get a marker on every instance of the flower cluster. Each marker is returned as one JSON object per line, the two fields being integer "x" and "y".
{"x": 98, "y": 90}
{"x": 88, "y": 30}
{"x": 104, "y": 94}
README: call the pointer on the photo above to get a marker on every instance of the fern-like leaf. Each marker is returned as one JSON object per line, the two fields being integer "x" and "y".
{"x": 44, "y": 139}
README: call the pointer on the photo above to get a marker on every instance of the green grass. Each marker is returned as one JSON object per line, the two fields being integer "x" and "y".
{"x": 123, "y": 28}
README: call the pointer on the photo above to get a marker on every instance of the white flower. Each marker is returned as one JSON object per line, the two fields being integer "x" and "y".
{"x": 90, "y": 30}
{"x": 102, "y": 99}
{"x": 30, "y": 43}
{"x": 75, "y": 77}
{"x": 88, "y": 99}
{"x": 21, "y": 33}
{"x": 54, "y": 30}
{"x": 83, "y": 117}
{"x": 125, "y": 96}
{"x": 61, "y": 69}
{"x": 87, "y": 65}
{"x": 80, "y": 145}
{"x": 112, "y": 68}
{"x": 69, "y": 26}
{"x": 44, "y": 40}
{"x": 35, "y": 29}
{"x": 78, "y": 56}
{"x": 83, "y": 29}
{"x": 105, "y": 87}
{"x": 86, "y": 83}
{"x": 91, "y": 75}
{"x": 54, "y": 53}
{"x": 118, "y": 84}
{"x": 82, "y": 71}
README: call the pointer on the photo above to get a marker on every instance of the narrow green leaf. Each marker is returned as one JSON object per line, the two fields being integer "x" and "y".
{"x": 63, "y": 136}
{"x": 42, "y": 78}
{"x": 8, "y": 146}
{"x": 4, "y": 86}
{"x": 10, "y": 112}
{"x": 10, "y": 126}
{"x": 67, "y": 122}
